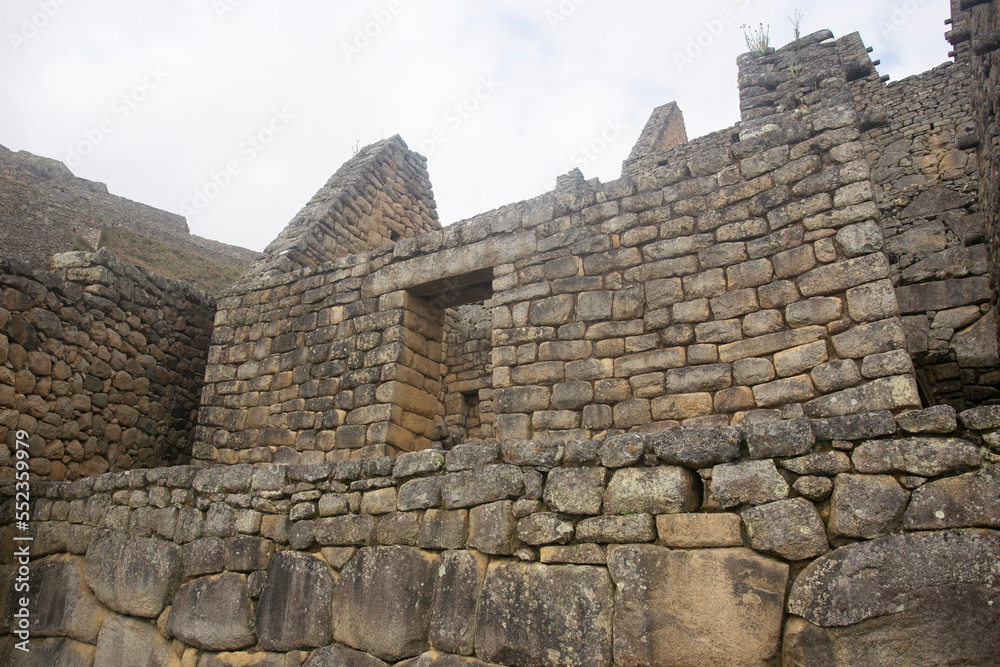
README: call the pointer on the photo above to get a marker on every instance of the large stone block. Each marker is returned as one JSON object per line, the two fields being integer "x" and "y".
{"x": 55, "y": 652}
{"x": 699, "y": 607}
{"x": 482, "y": 485}
{"x": 927, "y": 457}
{"x": 942, "y": 294}
{"x": 453, "y": 617}
{"x": 493, "y": 528}
{"x": 892, "y": 393}
{"x": 575, "y": 490}
{"x": 341, "y": 656}
{"x": 970, "y": 500}
{"x": 752, "y": 482}
{"x": 534, "y": 614}
{"x": 382, "y": 602}
{"x": 60, "y": 602}
{"x": 659, "y": 490}
{"x": 132, "y": 575}
{"x": 213, "y": 613}
{"x": 839, "y": 276}
{"x": 698, "y": 446}
{"x": 294, "y": 608}
{"x": 129, "y": 642}
{"x": 791, "y": 529}
{"x": 791, "y": 437}
{"x": 888, "y": 575}
{"x": 866, "y": 506}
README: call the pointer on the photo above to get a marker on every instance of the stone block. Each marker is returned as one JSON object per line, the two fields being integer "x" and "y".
{"x": 840, "y": 276}
{"x": 782, "y": 392}
{"x": 860, "y": 426}
{"x": 544, "y": 528}
{"x": 346, "y": 531}
{"x": 398, "y": 528}
{"x": 836, "y": 375}
{"x": 891, "y": 393}
{"x": 660, "y": 490}
{"x": 575, "y": 490}
{"x": 417, "y": 463}
{"x": 937, "y": 419}
{"x": 897, "y": 362}
{"x": 800, "y": 359}
{"x": 725, "y": 331}
{"x": 816, "y": 489}
{"x": 821, "y": 463}
{"x": 60, "y": 602}
{"x": 762, "y": 322}
{"x": 129, "y": 642}
{"x": 294, "y": 608}
{"x": 736, "y": 399}
{"x": 693, "y": 379}
{"x": 977, "y": 347}
{"x": 574, "y": 554}
{"x": 792, "y": 437}
{"x": 482, "y": 485}
{"x": 383, "y": 601}
{"x": 769, "y": 344}
{"x": 866, "y": 506}
{"x": 532, "y": 614}
{"x": 969, "y": 500}
{"x": 204, "y": 556}
{"x": 334, "y": 656}
{"x": 753, "y": 371}
{"x": 942, "y": 294}
{"x": 617, "y": 529}
{"x": 453, "y": 616}
{"x": 981, "y": 418}
{"x": 872, "y": 302}
{"x": 698, "y": 447}
{"x": 444, "y": 529}
{"x": 419, "y": 494}
{"x": 493, "y": 528}
{"x": 733, "y": 304}
{"x": 699, "y": 531}
{"x": 791, "y": 529}
{"x": 681, "y": 406}
{"x": 669, "y": 604}
{"x": 753, "y": 273}
{"x": 132, "y": 575}
{"x": 750, "y": 482}
{"x": 213, "y": 613}
{"x": 923, "y": 456}
{"x": 860, "y": 239}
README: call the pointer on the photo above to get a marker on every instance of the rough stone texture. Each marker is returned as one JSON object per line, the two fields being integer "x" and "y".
{"x": 482, "y": 485}
{"x": 885, "y": 576}
{"x": 928, "y": 457}
{"x": 453, "y": 617}
{"x": 575, "y": 490}
{"x": 533, "y": 614}
{"x": 866, "y": 506}
{"x": 690, "y": 531}
{"x": 698, "y": 447}
{"x": 129, "y": 642}
{"x": 132, "y": 575}
{"x": 718, "y": 606}
{"x": 341, "y": 656}
{"x": 969, "y": 500}
{"x": 294, "y": 607}
{"x": 782, "y": 438}
{"x": 791, "y": 529}
{"x": 213, "y": 613}
{"x": 660, "y": 490}
{"x": 383, "y": 599}
{"x": 617, "y": 529}
{"x": 493, "y": 528}
{"x": 753, "y": 482}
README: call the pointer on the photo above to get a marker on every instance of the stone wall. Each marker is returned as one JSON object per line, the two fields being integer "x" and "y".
{"x": 380, "y": 195}
{"x": 468, "y": 375}
{"x": 851, "y": 540}
{"x": 101, "y": 362}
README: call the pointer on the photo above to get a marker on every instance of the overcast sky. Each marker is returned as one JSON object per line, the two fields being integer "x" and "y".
{"x": 234, "y": 112}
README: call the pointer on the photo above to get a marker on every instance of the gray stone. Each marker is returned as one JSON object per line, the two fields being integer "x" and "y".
{"x": 878, "y": 395}
{"x": 418, "y": 494}
{"x": 575, "y": 490}
{"x": 482, "y": 485}
{"x": 453, "y": 616}
{"x": 977, "y": 347}
{"x": 791, "y": 529}
{"x": 659, "y": 490}
{"x": 60, "y": 652}
{"x": 836, "y": 375}
{"x": 399, "y": 528}
{"x": 438, "y": 659}
{"x": 493, "y": 528}
{"x": 624, "y": 449}
{"x": 341, "y": 656}
{"x": 213, "y": 613}
{"x": 245, "y": 553}
{"x": 698, "y": 607}
{"x": 294, "y": 608}
{"x": 819, "y": 310}
{"x": 574, "y": 554}
{"x": 872, "y": 302}
{"x": 544, "y": 528}
{"x": 533, "y": 453}
{"x": 383, "y": 599}
{"x": 942, "y": 294}
{"x": 709, "y": 377}
{"x": 444, "y": 529}
{"x": 896, "y": 362}
{"x": 204, "y": 556}
{"x": 860, "y": 239}
{"x": 934, "y": 201}
{"x": 617, "y": 529}
{"x": 927, "y": 457}
{"x": 791, "y": 437}
{"x": 471, "y": 454}
{"x": 753, "y": 371}
{"x": 129, "y": 642}
{"x": 752, "y": 482}
{"x": 60, "y": 602}
{"x": 813, "y": 488}
{"x": 856, "y": 426}
{"x": 884, "y": 577}
{"x": 698, "y": 447}
{"x": 820, "y": 463}
{"x": 132, "y": 575}
{"x": 533, "y": 614}
{"x": 839, "y": 276}
{"x": 970, "y": 500}
{"x": 346, "y": 531}
{"x": 865, "y": 339}
{"x": 981, "y": 418}
{"x": 417, "y": 463}
{"x": 937, "y": 419}
{"x": 866, "y": 506}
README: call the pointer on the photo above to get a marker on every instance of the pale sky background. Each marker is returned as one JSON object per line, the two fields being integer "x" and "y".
{"x": 162, "y": 94}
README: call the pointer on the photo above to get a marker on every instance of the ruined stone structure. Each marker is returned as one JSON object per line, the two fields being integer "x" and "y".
{"x": 739, "y": 406}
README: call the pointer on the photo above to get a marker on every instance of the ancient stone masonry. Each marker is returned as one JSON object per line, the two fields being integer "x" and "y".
{"x": 854, "y": 540}
{"x": 102, "y": 364}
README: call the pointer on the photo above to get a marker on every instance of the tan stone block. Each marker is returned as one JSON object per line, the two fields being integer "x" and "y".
{"x": 699, "y": 531}
{"x": 800, "y": 359}
{"x": 681, "y": 406}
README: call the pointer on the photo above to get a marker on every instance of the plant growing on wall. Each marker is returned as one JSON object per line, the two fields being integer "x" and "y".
{"x": 758, "y": 39}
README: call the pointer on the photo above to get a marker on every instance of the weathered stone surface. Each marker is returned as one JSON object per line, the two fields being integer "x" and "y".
{"x": 700, "y": 607}
{"x": 60, "y": 602}
{"x": 810, "y": 312}
{"x": 699, "y": 446}
{"x": 341, "y": 656}
{"x": 482, "y": 485}
{"x": 419, "y": 494}
{"x": 574, "y": 554}
{"x": 622, "y": 450}
{"x": 294, "y": 608}
{"x": 493, "y": 528}
{"x": 791, "y": 437}
{"x": 469, "y": 455}
{"x": 56, "y": 652}
{"x": 981, "y": 418}
{"x": 533, "y": 614}
{"x": 399, "y": 528}
{"x": 346, "y": 531}
{"x": 820, "y": 463}
{"x": 977, "y": 347}
{"x": 866, "y": 506}
{"x": 791, "y": 529}
{"x": 942, "y": 294}
{"x": 453, "y": 616}
{"x": 213, "y": 613}
{"x": 891, "y": 393}
{"x": 800, "y": 359}
{"x": 813, "y": 488}
{"x": 438, "y": 659}
{"x": 927, "y": 457}
{"x": 617, "y": 529}
{"x": 855, "y": 426}
{"x": 937, "y": 419}
{"x": 544, "y": 528}
{"x": 784, "y": 391}
{"x": 444, "y": 529}
{"x": 699, "y": 531}
{"x": 129, "y": 642}
{"x": 132, "y": 575}
{"x": 382, "y": 602}
{"x": 836, "y": 375}
{"x": 575, "y": 490}
{"x": 839, "y": 276}
{"x": 865, "y": 339}
{"x": 753, "y": 482}
{"x": 659, "y": 490}
{"x": 970, "y": 500}
{"x": 416, "y": 463}
{"x": 886, "y": 576}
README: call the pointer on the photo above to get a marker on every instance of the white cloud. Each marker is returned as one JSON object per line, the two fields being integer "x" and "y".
{"x": 559, "y": 88}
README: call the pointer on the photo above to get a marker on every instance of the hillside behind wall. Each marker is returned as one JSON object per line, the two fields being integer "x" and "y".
{"x": 101, "y": 363}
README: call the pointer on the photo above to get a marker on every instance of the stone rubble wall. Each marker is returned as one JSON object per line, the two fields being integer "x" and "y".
{"x": 467, "y": 400}
{"x": 862, "y": 539}
{"x": 101, "y": 363}
{"x": 380, "y": 195}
